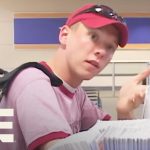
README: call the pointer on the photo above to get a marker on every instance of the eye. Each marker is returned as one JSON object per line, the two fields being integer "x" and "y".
{"x": 94, "y": 36}
{"x": 110, "y": 47}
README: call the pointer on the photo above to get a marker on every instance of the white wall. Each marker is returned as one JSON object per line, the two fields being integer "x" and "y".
{"x": 69, "y": 5}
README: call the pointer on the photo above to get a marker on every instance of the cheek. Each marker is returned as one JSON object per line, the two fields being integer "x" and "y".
{"x": 73, "y": 46}
{"x": 79, "y": 47}
{"x": 109, "y": 56}
{"x": 107, "y": 59}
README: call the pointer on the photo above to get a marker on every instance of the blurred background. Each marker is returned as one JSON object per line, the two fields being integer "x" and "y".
{"x": 104, "y": 87}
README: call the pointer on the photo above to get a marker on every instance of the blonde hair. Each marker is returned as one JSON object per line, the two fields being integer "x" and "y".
{"x": 75, "y": 26}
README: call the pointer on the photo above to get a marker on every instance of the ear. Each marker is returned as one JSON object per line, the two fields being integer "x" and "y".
{"x": 63, "y": 34}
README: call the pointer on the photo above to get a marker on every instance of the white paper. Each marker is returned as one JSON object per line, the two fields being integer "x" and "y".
{"x": 110, "y": 135}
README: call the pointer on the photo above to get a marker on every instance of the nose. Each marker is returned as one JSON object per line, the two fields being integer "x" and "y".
{"x": 99, "y": 52}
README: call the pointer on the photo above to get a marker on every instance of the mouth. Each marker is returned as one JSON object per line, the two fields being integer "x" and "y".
{"x": 93, "y": 63}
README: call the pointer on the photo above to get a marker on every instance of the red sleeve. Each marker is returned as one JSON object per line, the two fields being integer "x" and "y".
{"x": 47, "y": 138}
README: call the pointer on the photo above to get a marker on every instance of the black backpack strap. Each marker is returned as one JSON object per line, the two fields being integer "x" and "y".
{"x": 8, "y": 77}
{"x": 2, "y": 71}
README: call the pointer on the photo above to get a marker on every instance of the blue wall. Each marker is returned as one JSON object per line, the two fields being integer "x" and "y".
{"x": 45, "y": 30}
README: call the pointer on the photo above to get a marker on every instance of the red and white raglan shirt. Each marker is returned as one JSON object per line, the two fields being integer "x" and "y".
{"x": 43, "y": 113}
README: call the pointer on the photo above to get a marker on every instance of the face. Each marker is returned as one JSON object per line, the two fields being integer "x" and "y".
{"x": 88, "y": 51}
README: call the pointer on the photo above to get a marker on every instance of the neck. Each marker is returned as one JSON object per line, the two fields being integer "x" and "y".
{"x": 61, "y": 69}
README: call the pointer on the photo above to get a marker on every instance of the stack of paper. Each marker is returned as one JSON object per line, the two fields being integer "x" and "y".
{"x": 110, "y": 135}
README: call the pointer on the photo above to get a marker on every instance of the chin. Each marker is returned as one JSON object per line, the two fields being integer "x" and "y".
{"x": 88, "y": 77}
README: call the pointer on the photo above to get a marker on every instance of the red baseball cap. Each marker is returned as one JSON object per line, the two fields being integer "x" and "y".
{"x": 96, "y": 20}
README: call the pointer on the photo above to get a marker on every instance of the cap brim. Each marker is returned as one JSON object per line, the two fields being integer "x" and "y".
{"x": 97, "y": 21}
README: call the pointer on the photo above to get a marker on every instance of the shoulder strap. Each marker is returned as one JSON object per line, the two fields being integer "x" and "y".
{"x": 8, "y": 77}
{"x": 2, "y": 71}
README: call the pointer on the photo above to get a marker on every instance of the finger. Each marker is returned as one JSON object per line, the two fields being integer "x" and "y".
{"x": 141, "y": 76}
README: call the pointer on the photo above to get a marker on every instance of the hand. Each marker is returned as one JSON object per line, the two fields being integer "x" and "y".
{"x": 132, "y": 95}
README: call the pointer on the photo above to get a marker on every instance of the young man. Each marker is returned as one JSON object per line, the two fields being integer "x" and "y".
{"x": 44, "y": 114}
